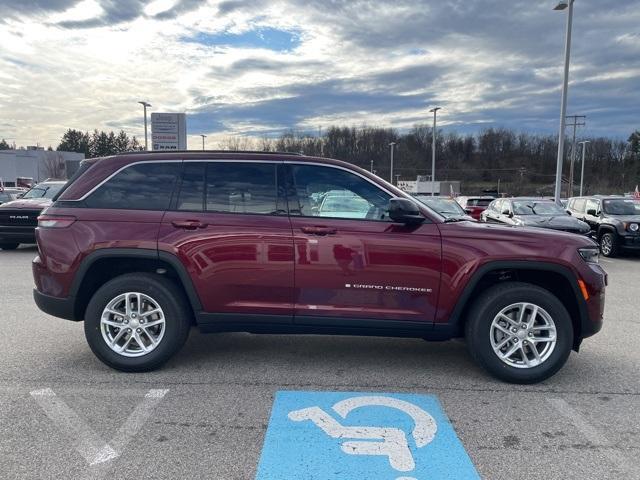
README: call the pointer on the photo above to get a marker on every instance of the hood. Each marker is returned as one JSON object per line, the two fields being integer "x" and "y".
{"x": 535, "y": 238}
{"x": 624, "y": 218}
{"x": 556, "y": 222}
{"x": 28, "y": 204}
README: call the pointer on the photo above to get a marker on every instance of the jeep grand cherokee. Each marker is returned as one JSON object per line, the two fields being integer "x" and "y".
{"x": 142, "y": 246}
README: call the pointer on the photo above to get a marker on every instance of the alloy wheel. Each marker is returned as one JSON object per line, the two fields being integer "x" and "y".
{"x": 132, "y": 324}
{"x": 523, "y": 335}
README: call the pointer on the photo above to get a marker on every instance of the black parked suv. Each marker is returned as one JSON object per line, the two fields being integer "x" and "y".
{"x": 614, "y": 221}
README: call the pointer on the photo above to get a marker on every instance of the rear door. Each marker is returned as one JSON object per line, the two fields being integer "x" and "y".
{"x": 352, "y": 264}
{"x": 229, "y": 227}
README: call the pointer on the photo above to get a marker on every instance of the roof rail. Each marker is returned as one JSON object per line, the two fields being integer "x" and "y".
{"x": 253, "y": 152}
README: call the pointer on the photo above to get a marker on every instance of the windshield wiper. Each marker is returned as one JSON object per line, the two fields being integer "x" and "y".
{"x": 455, "y": 219}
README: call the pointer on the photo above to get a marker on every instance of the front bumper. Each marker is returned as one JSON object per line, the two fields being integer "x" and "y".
{"x": 10, "y": 234}
{"x": 58, "y": 307}
{"x": 631, "y": 242}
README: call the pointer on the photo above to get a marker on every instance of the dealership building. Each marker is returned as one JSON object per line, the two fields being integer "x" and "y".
{"x": 37, "y": 164}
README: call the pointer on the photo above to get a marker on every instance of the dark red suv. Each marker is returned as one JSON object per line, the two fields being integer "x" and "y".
{"x": 143, "y": 246}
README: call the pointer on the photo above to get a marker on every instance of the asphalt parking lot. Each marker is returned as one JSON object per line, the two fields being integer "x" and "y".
{"x": 63, "y": 414}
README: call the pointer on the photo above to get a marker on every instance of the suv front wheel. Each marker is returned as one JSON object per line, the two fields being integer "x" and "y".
{"x": 519, "y": 332}
{"x": 608, "y": 244}
{"x": 136, "y": 322}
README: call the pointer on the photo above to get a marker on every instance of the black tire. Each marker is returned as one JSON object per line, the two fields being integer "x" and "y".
{"x": 178, "y": 320}
{"x": 487, "y": 307}
{"x": 9, "y": 246}
{"x": 609, "y": 244}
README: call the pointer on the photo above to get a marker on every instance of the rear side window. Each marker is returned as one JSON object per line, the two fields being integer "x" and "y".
{"x": 243, "y": 187}
{"x": 191, "y": 196}
{"x": 578, "y": 205}
{"x": 146, "y": 186}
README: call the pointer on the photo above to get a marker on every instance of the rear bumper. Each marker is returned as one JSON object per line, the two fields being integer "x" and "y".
{"x": 58, "y": 307}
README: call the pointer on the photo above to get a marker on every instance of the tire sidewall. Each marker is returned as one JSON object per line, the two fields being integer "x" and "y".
{"x": 176, "y": 323}
{"x": 486, "y": 310}
{"x": 613, "y": 250}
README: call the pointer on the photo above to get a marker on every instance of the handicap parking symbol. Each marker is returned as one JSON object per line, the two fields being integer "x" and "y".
{"x": 357, "y": 436}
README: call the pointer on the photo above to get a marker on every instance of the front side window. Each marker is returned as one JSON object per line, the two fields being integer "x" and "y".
{"x": 145, "y": 186}
{"x": 335, "y": 193}
{"x": 243, "y": 187}
{"x": 592, "y": 205}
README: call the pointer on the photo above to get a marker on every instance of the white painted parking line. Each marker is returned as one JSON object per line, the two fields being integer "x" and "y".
{"x": 594, "y": 436}
{"x": 82, "y": 437}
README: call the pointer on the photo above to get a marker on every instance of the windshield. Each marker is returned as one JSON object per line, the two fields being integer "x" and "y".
{"x": 446, "y": 207}
{"x": 479, "y": 202}
{"x": 537, "y": 208}
{"x": 44, "y": 190}
{"x": 619, "y": 207}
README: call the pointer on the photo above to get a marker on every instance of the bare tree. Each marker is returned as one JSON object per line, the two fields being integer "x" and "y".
{"x": 54, "y": 165}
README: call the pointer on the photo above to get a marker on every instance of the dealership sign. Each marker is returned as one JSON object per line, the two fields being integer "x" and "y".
{"x": 168, "y": 131}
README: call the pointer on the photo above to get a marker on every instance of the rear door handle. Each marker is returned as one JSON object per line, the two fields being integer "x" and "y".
{"x": 188, "y": 224}
{"x": 319, "y": 230}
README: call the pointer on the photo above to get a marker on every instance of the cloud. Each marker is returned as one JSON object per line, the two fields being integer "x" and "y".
{"x": 263, "y": 67}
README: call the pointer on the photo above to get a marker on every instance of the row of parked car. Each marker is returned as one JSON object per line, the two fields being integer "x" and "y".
{"x": 613, "y": 221}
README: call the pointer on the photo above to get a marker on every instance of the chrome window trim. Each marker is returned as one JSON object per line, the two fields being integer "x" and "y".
{"x": 124, "y": 167}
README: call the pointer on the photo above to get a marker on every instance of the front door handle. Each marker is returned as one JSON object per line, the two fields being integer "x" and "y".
{"x": 188, "y": 224}
{"x": 319, "y": 230}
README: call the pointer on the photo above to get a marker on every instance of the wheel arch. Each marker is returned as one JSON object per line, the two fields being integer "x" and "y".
{"x": 557, "y": 279}
{"x": 102, "y": 265}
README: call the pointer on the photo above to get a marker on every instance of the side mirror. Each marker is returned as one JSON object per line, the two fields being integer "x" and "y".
{"x": 405, "y": 211}
{"x": 591, "y": 212}
{"x": 468, "y": 210}
{"x": 568, "y": 211}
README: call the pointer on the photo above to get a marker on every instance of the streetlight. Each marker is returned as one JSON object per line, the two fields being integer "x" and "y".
{"x": 433, "y": 152}
{"x": 565, "y": 88}
{"x": 584, "y": 147}
{"x": 392, "y": 144}
{"x": 145, "y": 105}
{"x": 203, "y": 137}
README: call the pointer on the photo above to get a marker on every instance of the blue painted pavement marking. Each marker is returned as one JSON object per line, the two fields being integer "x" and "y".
{"x": 361, "y": 436}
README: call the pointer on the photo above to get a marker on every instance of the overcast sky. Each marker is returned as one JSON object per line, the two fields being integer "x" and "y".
{"x": 261, "y": 67}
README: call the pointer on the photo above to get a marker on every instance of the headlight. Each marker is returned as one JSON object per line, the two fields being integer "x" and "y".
{"x": 589, "y": 255}
{"x": 633, "y": 227}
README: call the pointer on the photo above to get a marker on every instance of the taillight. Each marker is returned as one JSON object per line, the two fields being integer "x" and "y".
{"x": 55, "y": 221}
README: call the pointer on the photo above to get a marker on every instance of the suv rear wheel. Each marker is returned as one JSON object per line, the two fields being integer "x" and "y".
{"x": 519, "y": 332}
{"x": 136, "y": 322}
{"x": 608, "y": 244}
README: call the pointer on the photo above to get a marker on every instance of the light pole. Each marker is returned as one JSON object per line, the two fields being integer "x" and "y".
{"x": 145, "y": 105}
{"x": 203, "y": 137}
{"x": 392, "y": 144}
{"x": 433, "y": 152}
{"x": 565, "y": 89}
{"x": 371, "y": 168}
{"x": 584, "y": 147}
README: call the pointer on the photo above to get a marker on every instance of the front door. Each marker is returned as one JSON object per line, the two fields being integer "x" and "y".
{"x": 351, "y": 262}
{"x": 229, "y": 227}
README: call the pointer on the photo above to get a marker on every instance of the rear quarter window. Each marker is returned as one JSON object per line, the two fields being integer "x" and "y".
{"x": 145, "y": 186}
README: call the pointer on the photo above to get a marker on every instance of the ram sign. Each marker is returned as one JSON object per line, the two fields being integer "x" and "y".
{"x": 168, "y": 131}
